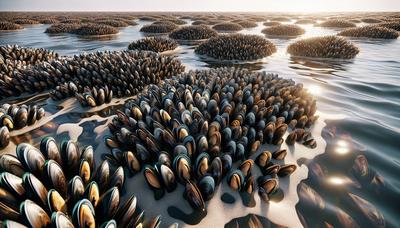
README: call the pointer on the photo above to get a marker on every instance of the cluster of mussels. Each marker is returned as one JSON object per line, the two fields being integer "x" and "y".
{"x": 113, "y": 23}
{"x": 192, "y": 130}
{"x": 25, "y": 21}
{"x": 245, "y": 23}
{"x": 159, "y": 27}
{"x": 236, "y": 47}
{"x": 5, "y": 25}
{"x": 156, "y": 44}
{"x": 371, "y": 20}
{"x": 95, "y": 30}
{"x": 193, "y": 32}
{"x": 88, "y": 29}
{"x": 391, "y": 25}
{"x": 16, "y": 117}
{"x": 227, "y": 27}
{"x": 271, "y": 23}
{"x": 60, "y": 187}
{"x": 371, "y": 31}
{"x": 305, "y": 21}
{"x": 62, "y": 28}
{"x": 125, "y": 73}
{"x": 284, "y": 30}
{"x": 336, "y": 23}
{"x": 14, "y": 59}
{"x": 324, "y": 47}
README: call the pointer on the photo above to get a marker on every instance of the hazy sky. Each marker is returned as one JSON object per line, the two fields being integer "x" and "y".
{"x": 200, "y": 5}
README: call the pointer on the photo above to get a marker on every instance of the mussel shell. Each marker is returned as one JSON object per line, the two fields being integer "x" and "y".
{"x": 194, "y": 197}
{"x": 59, "y": 219}
{"x": 34, "y": 189}
{"x": 83, "y": 214}
{"x": 125, "y": 214}
{"x": 269, "y": 185}
{"x": 226, "y": 163}
{"x": 7, "y": 212}
{"x": 216, "y": 169}
{"x": 70, "y": 154}
{"x": 33, "y": 215}
{"x": 11, "y": 224}
{"x": 151, "y": 176}
{"x": 263, "y": 158}
{"x": 246, "y": 167}
{"x": 182, "y": 168}
{"x": 168, "y": 178}
{"x": 109, "y": 224}
{"x": 84, "y": 171}
{"x": 88, "y": 155}
{"x": 207, "y": 187}
{"x": 7, "y": 121}
{"x": 92, "y": 193}
{"x": 12, "y": 183}
{"x": 279, "y": 154}
{"x": 132, "y": 162}
{"x": 49, "y": 148}
{"x": 103, "y": 175}
{"x": 118, "y": 178}
{"x": 108, "y": 203}
{"x": 75, "y": 189}
{"x": 21, "y": 118}
{"x": 56, "y": 202}
{"x": 9, "y": 199}
{"x": 235, "y": 180}
{"x": 55, "y": 177}
{"x": 202, "y": 163}
{"x": 11, "y": 164}
{"x": 285, "y": 170}
{"x": 271, "y": 169}
{"x": 31, "y": 158}
{"x": 4, "y": 137}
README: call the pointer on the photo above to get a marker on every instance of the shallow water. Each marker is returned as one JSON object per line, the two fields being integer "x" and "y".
{"x": 357, "y": 99}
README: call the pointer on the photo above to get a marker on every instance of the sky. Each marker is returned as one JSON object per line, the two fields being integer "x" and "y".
{"x": 201, "y": 5}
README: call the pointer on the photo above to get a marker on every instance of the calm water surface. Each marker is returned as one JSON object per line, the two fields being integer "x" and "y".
{"x": 359, "y": 105}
